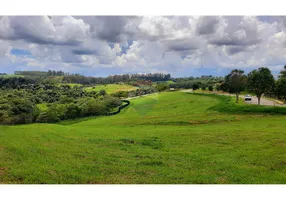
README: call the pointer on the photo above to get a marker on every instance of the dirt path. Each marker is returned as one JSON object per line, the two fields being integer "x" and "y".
{"x": 263, "y": 101}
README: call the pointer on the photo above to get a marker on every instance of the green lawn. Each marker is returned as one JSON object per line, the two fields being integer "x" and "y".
{"x": 163, "y": 138}
{"x": 111, "y": 88}
{"x": 71, "y": 84}
{"x": 42, "y": 107}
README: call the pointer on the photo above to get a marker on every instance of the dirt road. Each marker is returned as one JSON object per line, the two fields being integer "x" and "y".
{"x": 263, "y": 101}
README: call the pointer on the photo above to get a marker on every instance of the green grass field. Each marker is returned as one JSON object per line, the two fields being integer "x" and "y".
{"x": 112, "y": 88}
{"x": 163, "y": 138}
{"x": 71, "y": 84}
{"x": 42, "y": 107}
{"x": 11, "y": 76}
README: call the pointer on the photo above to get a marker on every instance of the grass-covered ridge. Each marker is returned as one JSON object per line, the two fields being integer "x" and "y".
{"x": 11, "y": 76}
{"x": 162, "y": 138}
{"x": 111, "y": 88}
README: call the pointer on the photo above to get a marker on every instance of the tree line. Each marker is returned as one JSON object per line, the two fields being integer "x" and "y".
{"x": 196, "y": 82}
{"x": 126, "y": 78}
{"x": 54, "y": 76}
{"x": 259, "y": 82}
{"x": 19, "y": 104}
{"x": 24, "y": 100}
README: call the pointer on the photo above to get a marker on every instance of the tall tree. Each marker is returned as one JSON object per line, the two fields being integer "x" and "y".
{"x": 235, "y": 82}
{"x": 283, "y": 72}
{"x": 281, "y": 89}
{"x": 260, "y": 81}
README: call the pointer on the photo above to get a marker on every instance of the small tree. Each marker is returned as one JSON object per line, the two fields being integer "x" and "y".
{"x": 162, "y": 87}
{"x": 260, "y": 81}
{"x": 204, "y": 87}
{"x": 210, "y": 88}
{"x": 195, "y": 86}
{"x": 218, "y": 87}
{"x": 235, "y": 82}
{"x": 283, "y": 73}
{"x": 102, "y": 92}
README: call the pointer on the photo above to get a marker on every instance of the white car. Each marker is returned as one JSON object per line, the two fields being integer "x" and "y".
{"x": 247, "y": 97}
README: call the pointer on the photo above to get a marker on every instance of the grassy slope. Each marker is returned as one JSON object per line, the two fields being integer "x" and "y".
{"x": 111, "y": 88}
{"x": 11, "y": 76}
{"x": 165, "y": 138}
{"x": 42, "y": 106}
{"x": 71, "y": 84}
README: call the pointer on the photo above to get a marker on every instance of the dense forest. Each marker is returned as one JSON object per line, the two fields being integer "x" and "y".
{"x": 196, "y": 82}
{"x": 49, "y": 97}
{"x": 28, "y": 99}
{"x": 22, "y": 105}
{"x": 76, "y": 78}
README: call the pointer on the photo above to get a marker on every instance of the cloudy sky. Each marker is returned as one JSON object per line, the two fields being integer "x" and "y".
{"x": 107, "y": 45}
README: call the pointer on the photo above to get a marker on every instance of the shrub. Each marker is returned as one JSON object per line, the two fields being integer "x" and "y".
{"x": 49, "y": 116}
{"x": 102, "y": 92}
{"x": 72, "y": 111}
{"x": 162, "y": 87}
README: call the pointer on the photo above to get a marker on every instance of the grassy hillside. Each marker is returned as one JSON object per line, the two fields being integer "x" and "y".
{"x": 71, "y": 84}
{"x": 10, "y": 76}
{"x": 111, "y": 88}
{"x": 162, "y": 138}
{"x": 31, "y": 73}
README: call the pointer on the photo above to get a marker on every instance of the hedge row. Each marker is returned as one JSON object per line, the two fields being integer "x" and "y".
{"x": 120, "y": 108}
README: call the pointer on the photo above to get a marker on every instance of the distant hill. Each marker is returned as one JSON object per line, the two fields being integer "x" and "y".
{"x": 31, "y": 73}
{"x": 10, "y": 76}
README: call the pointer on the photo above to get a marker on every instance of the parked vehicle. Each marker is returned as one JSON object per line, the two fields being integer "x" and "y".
{"x": 247, "y": 97}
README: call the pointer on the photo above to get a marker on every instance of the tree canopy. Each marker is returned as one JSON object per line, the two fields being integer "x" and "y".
{"x": 235, "y": 82}
{"x": 260, "y": 81}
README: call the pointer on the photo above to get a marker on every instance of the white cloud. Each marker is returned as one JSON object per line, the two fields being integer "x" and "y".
{"x": 4, "y": 48}
{"x": 172, "y": 43}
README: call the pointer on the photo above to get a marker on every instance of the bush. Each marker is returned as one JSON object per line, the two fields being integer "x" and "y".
{"x": 102, "y": 92}
{"x": 65, "y": 99}
{"x": 111, "y": 102}
{"x": 49, "y": 116}
{"x": 72, "y": 111}
{"x": 14, "y": 110}
{"x": 162, "y": 87}
{"x": 95, "y": 107}
{"x": 119, "y": 94}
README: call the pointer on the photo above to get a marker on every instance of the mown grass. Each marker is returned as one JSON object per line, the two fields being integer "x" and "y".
{"x": 162, "y": 138}
{"x": 111, "y": 88}
{"x": 71, "y": 84}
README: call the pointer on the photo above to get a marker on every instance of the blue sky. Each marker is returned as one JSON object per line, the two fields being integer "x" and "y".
{"x": 108, "y": 45}
{"x": 20, "y": 52}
